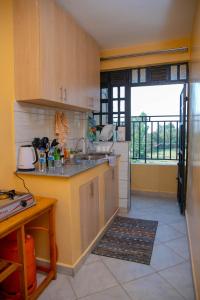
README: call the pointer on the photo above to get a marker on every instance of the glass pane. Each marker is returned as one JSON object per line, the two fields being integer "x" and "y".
{"x": 135, "y": 76}
{"x": 115, "y": 106}
{"x": 142, "y": 75}
{"x": 122, "y": 120}
{"x": 122, "y": 91}
{"x": 104, "y": 119}
{"x": 122, "y": 105}
{"x": 115, "y": 119}
{"x": 183, "y": 72}
{"x": 174, "y": 72}
{"x": 97, "y": 119}
{"x": 115, "y": 92}
{"x": 104, "y": 93}
{"x": 104, "y": 107}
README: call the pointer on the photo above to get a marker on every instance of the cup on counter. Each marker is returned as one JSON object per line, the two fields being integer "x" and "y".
{"x": 58, "y": 163}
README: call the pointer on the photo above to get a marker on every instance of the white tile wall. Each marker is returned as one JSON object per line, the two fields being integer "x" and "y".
{"x": 37, "y": 121}
{"x": 122, "y": 148}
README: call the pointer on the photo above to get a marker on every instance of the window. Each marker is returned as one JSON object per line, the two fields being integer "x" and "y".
{"x": 118, "y": 105}
{"x": 116, "y": 86}
{"x": 163, "y": 74}
{"x": 115, "y": 102}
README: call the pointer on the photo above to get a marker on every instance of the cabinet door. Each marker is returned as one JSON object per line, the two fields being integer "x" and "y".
{"x": 111, "y": 192}
{"x": 115, "y": 187}
{"x": 26, "y": 49}
{"x": 34, "y": 48}
{"x": 89, "y": 212}
{"x": 60, "y": 54}
{"x": 47, "y": 50}
{"x": 95, "y": 57}
{"x": 69, "y": 64}
{"x": 92, "y": 74}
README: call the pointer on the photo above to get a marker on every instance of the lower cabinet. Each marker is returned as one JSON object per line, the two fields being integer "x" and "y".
{"x": 111, "y": 192}
{"x": 89, "y": 211}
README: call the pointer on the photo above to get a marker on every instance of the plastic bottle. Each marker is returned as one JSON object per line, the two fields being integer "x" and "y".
{"x": 42, "y": 160}
{"x": 57, "y": 161}
{"x": 51, "y": 159}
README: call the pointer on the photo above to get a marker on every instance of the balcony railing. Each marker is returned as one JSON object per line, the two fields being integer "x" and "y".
{"x": 155, "y": 138}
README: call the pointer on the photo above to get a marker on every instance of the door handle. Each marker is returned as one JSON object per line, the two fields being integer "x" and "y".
{"x": 113, "y": 173}
{"x": 92, "y": 189}
{"x": 65, "y": 95}
{"x": 61, "y": 93}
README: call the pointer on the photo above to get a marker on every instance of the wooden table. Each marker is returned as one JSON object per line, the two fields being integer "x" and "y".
{"x": 17, "y": 223}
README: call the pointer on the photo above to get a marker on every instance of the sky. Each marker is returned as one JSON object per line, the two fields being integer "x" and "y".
{"x": 156, "y": 100}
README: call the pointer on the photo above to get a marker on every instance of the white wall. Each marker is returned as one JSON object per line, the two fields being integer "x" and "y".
{"x": 38, "y": 121}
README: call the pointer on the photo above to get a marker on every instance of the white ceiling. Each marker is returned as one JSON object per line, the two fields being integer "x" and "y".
{"x": 119, "y": 23}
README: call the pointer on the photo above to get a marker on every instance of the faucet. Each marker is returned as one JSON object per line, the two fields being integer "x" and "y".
{"x": 84, "y": 148}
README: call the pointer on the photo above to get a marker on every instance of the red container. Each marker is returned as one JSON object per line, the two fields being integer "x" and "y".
{"x": 10, "y": 287}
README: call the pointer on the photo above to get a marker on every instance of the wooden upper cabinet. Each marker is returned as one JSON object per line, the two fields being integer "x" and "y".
{"x": 56, "y": 61}
{"x": 93, "y": 76}
{"x": 34, "y": 44}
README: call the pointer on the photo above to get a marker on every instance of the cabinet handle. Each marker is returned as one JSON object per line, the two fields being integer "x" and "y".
{"x": 92, "y": 189}
{"x": 113, "y": 173}
{"x": 65, "y": 95}
{"x": 61, "y": 93}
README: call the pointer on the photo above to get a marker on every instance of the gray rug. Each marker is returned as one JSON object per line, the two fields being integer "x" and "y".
{"x": 128, "y": 239}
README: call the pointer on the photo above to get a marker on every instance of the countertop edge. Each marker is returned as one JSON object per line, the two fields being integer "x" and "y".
{"x": 74, "y": 172}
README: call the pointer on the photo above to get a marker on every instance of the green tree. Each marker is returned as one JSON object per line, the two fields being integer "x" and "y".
{"x": 139, "y": 131}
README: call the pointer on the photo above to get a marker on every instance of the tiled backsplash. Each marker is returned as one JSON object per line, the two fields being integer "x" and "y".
{"x": 37, "y": 121}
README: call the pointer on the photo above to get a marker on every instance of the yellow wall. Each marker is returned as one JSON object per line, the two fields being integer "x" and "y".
{"x": 193, "y": 189}
{"x": 7, "y": 160}
{"x": 145, "y": 60}
{"x": 154, "y": 178}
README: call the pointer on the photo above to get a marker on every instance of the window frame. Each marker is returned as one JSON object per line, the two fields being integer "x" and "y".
{"x": 109, "y": 81}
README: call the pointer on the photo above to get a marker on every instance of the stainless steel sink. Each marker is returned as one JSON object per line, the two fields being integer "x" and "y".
{"x": 90, "y": 156}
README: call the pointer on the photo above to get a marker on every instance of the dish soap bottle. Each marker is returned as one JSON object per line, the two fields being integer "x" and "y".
{"x": 42, "y": 160}
{"x": 51, "y": 159}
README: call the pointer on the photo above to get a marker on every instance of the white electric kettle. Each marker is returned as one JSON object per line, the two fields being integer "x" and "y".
{"x": 27, "y": 157}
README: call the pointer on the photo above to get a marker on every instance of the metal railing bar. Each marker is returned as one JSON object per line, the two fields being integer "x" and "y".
{"x": 133, "y": 138}
{"x": 151, "y": 139}
{"x": 170, "y": 139}
{"x": 139, "y": 138}
{"x": 160, "y": 159}
{"x": 164, "y": 142}
{"x": 158, "y": 131}
{"x": 177, "y": 140}
{"x": 145, "y": 146}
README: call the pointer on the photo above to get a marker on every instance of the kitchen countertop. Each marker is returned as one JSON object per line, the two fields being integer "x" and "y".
{"x": 69, "y": 169}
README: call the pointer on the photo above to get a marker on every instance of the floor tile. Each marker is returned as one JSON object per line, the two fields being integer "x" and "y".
{"x": 115, "y": 293}
{"x": 166, "y": 233}
{"x": 169, "y": 218}
{"x": 181, "y": 278}
{"x": 58, "y": 289}
{"x": 138, "y": 204}
{"x": 92, "y": 258}
{"x": 126, "y": 271}
{"x": 180, "y": 246}
{"x": 163, "y": 257}
{"x": 151, "y": 287}
{"x": 92, "y": 278}
{"x": 180, "y": 226}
